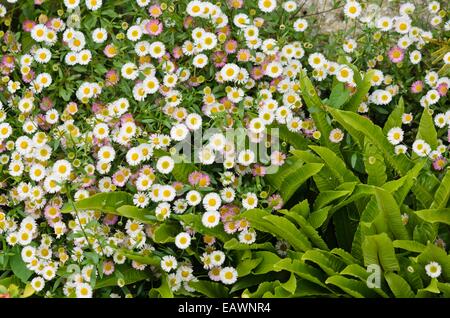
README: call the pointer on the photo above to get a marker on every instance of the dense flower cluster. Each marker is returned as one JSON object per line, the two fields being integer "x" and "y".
{"x": 96, "y": 95}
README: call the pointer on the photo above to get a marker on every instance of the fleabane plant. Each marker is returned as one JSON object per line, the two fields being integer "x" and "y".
{"x": 170, "y": 143}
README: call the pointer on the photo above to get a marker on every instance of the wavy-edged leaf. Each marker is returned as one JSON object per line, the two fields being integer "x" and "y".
{"x": 357, "y": 271}
{"x": 309, "y": 230}
{"x": 445, "y": 289}
{"x": 436, "y": 254}
{"x": 409, "y": 181}
{"x": 268, "y": 260}
{"x": 301, "y": 208}
{"x": 19, "y": 267}
{"x": 374, "y": 164}
{"x": 378, "y": 249}
{"x": 335, "y": 163}
{"x": 399, "y": 286}
{"x": 435, "y": 215}
{"x": 427, "y": 131}
{"x": 291, "y": 165}
{"x": 210, "y": 289}
{"x": 328, "y": 262}
{"x": 138, "y": 214}
{"x": 295, "y": 179}
{"x": 317, "y": 218}
{"x": 325, "y": 179}
{"x": 262, "y": 289}
{"x": 352, "y": 121}
{"x": 143, "y": 259}
{"x": 391, "y": 213}
{"x": 105, "y": 202}
{"x": 339, "y": 95}
{"x": 163, "y": 290}
{"x": 288, "y": 231}
{"x": 165, "y": 233}
{"x": 395, "y": 118}
{"x": 442, "y": 194}
{"x": 314, "y": 105}
{"x": 128, "y": 274}
{"x": 247, "y": 265}
{"x": 344, "y": 255}
{"x": 302, "y": 270}
{"x": 362, "y": 88}
{"x": 352, "y": 287}
{"x": 234, "y": 244}
{"x": 326, "y": 197}
{"x": 294, "y": 139}
{"x": 409, "y": 245}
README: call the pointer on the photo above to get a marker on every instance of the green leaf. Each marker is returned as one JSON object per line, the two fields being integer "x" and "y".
{"x": 358, "y": 125}
{"x": 294, "y": 139}
{"x": 326, "y": 178}
{"x": 291, "y": 165}
{"x": 378, "y": 249}
{"x": 335, "y": 163}
{"x": 138, "y": 214}
{"x": 317, "y": 218}
{"x": 314, "y": 105}
{"x": 435, "y": 215}
{"x": 210, "y": 289}
{"x": 302, "y": 270}
{"x": 18, "y": 266}
{"x": 357, "y": 271}
{"x": 268, "y": 259}
{"x": 442, "y": 194}
{"x": 129, "y": 275}
{"x": 344, "y": 255}
{"x": 28, "y": 291}
{"x": 326, "y": 197}
{"x": 362, "y": 88}
{"x": 166, "y": 233}
{"x": 278, "y": 226}
{"x": 328, "y": 262}
{"x": 288, "y": 231}
{"x": 408, "y": 245}
{"x": 427, "y": 131}
{"x": 399, "y": 287}
{"x": 195, "y": 221}
{"x": 105, "y": 202}
{"x": 301, "y": 208}
{"x": 181, "y": 171}
{"x": 262, "y": 289}
{"x": 90, "y": 21}
{"x": 295, "y": 179}
{"x": 234, "y": 244}
{"x": 291, "y": 284}
{"x": 390, "y": 213}
{"x": 395, "y": 118}
{"x": 247, "y": 265}
{"x": 310, "y": 232}
{"x": 433, "y": 253}
{"x": 374, "y": 164}
{"x": 354, "y": 288}
{"x": 339, "y": 95}
{"x": 143, "y": 259}
{"x": 163, "y": 290}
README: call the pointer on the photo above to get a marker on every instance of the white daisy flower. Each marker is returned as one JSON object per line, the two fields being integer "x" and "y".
{"x": 183, "y": 240}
